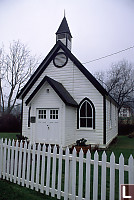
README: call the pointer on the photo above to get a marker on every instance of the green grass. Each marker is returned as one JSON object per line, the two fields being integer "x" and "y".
{"x": 9, "y": 135}
{"x": 11, "y": 191}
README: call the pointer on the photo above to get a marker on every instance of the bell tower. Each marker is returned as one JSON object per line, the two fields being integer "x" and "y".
{"x": 63, "y": 34}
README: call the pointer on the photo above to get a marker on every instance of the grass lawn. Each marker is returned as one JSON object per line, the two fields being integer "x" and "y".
{"x": 9, "y": 135}
{"x": 11, "y": 191}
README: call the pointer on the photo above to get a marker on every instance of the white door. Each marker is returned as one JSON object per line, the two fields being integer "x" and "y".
{"x": 47, "y": 126}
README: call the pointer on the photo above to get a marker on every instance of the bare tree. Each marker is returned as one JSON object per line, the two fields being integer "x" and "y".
{"x": 16, "y": 66}
{"x": 119, "y": 82}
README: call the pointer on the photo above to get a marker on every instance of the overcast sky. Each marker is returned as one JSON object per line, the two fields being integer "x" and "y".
{"x": 98, "y": 27}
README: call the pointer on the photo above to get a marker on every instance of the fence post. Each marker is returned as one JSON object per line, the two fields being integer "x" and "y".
{"x": 95, "y": 177}
{"x": 12, "y": 160}
{"x": 80, "y": 187}
{"x": 59, "y": 173}
{"x": 16, "y": 162}
{"x": 88, "y": 168}
{"x": 1, "y": 156}
{"x": 33, "y": 167}
{"x": 28, "y": 165}
{"x": 54, "y": 171}
{"x": 20, "y": 162}
{"x": 103, "y": 176}
{"x": 73, "y": 177}
{"x": 121, "y": 171}
{"x": 24, "y": 163}
{"x": 112, "y": 176}
{"x": 43, "y": 168}
{"x": 48, "y": 169}
{"x": 4, "y": 159}
{"x": 131, "y": 170}
{"x": 8, "y": 159}
{"x": 38, "y": 167}
{"x": 66, "y": 182}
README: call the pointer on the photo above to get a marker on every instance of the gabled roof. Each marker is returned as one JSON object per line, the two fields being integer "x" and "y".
{"x": 64, "y": 28}
{"x": 59, "y": 89}
{"x": 48, "y": 59}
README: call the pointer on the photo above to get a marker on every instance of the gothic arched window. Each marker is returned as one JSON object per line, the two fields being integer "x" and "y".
{"x": 86, "y": 114}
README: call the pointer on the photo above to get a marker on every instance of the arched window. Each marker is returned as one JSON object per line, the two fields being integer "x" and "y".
{"x": 86, "y": 114}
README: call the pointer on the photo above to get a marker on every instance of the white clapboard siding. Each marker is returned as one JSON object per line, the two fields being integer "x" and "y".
{"x": 79, "y": 87}
{"x": 35, "y": 166}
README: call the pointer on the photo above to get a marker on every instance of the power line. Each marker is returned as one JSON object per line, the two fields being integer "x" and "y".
{"x": 109, "y": 55}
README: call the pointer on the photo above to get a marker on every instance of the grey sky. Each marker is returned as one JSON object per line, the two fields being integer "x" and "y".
{"x": 98, "y": 27}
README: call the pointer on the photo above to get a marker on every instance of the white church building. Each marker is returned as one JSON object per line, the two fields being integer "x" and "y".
{"x": 63, "y": 102}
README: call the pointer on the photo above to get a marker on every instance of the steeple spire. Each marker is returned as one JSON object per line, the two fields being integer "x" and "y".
{"x": 63, "y": 33}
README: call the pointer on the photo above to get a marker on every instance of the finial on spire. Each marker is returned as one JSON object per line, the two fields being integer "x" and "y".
{"x": 64, "y": 13}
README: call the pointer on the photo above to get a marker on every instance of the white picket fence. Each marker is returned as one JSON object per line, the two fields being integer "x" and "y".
{"x": 61, "y": 174}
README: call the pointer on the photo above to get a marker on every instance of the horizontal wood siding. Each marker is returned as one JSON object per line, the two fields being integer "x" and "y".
{"x": 70, "y": 125}
{"x": 43, "y": 99}
{"x": 111, "y": 129}
{"x": 79, "y": 87}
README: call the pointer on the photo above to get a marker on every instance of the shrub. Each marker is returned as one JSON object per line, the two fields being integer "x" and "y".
{"x": 10, "y": 123}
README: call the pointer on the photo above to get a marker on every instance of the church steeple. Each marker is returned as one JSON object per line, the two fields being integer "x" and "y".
{"x": 63, "y": 34}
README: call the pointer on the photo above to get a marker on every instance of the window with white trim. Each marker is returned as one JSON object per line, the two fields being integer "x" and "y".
{"x": 53, "y": 114}
{"x": 41, "y": 114}
{"x": 86, "y": 115}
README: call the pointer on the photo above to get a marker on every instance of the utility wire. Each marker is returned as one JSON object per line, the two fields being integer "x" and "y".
{"x": 109, "y": 55}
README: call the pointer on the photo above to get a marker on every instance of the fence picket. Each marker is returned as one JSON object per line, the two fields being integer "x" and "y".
{"x": 4, "y": 160}
{"x": 16, "y": 162}
{"x": 73, "y": 178}
{"x": 66, "y": 182}
{"x": 1, "y": 157}
{"x": 24, "y": 164}
{"x": 103, "y": 176}
{"x": 33, "y": 167}
{"x": 131, "y": 170}
{"x": 48, "y": 169}
{"x": 59, "y": 173}
{"x": 88, "y": 168}
{"x": 38, "y": 168}
{"x": 121, "y": 171}
{"x": 95, "y": 177}
{"x": 80, "y": 188}
{"x": 12, "y": 161}
{"x": 54, "y": 171}
{"x": 43, "y": 169}
{"x": 28, "y": 165}
{"x": 8, "y": 159}
{"x": 112, "y": 176}
{"x": 20, "y": 163}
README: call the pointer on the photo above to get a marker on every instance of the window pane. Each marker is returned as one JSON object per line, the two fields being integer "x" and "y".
{"x": 89, "y": 123}
{"x": 89, "y": 110}
{"x": 83, "y": 122}
{"x": 83, "y": 110}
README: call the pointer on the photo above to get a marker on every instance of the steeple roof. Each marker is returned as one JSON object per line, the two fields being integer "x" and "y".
{"x": 64, "y": 28}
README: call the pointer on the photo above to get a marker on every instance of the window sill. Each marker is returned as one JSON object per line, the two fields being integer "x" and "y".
{"x": 85, "y": 129}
